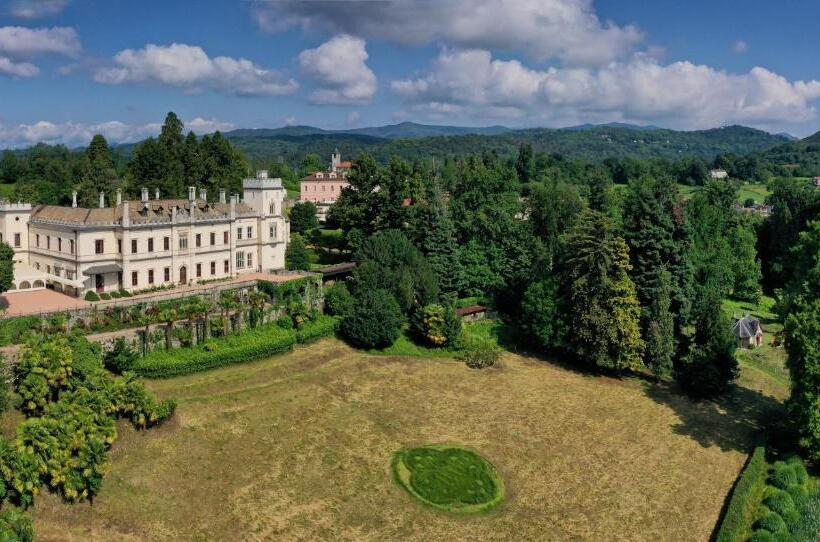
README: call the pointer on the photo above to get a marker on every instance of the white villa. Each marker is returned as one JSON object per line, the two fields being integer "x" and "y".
{"x": 135, "y": 245}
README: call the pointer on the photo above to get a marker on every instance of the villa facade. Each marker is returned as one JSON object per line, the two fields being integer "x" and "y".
{"x": 137, "y": 245}
{"x": 324, "y": 187}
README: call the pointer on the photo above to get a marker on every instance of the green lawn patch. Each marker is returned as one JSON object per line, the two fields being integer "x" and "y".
{"x": 449, "y": 478}
{"x": 493, "y": 331}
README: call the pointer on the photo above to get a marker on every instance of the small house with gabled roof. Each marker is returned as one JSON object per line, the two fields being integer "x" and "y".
{"x": 749, "y": 331}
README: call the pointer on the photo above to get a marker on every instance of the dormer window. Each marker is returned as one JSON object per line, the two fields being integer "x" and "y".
{"x": 320, "y": 175}
{"x": 332, "y": 175}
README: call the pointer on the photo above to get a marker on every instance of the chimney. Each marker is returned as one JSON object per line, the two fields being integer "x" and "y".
{"x": 191, "y": 193}
{"x": 74, "y": 199}
{"x": 156, "y": 193}
{"x": 203, "y": 194}
{"x": 222, "y": 196}
{"x": 234, "y": 200}
{"x": 102, "y": 200}
{"x": 119, "y": 196}
{"x": 262, "y": 174}
{"x": 144, "y": 195}
{"x": 126, "y": 218}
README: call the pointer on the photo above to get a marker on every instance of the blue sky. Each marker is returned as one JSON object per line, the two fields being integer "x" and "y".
{"x": 70, "y": 68}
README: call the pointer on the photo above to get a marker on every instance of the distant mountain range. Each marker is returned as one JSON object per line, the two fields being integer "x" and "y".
{"x": 404, "y": 130}
{"x": 411, "y": 141}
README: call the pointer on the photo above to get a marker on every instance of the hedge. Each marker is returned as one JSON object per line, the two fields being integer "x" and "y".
{"x": 13, "y": 329}
{"x": 744, "y": 497}
{"x": 258, "y": 343}
{"x": 313, "y": 330}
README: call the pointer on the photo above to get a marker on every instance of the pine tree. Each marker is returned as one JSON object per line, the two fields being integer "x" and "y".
{"x": 605, "y": 312}
{"x": 710, "y": 364}
{"x": 438, "y": 241}
{"x": 658, "y": 324}
{"x": 525, "y": 165}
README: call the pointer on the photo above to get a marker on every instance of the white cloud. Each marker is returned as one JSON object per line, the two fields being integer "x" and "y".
{"x": 22, "y": 42}
{"x": 34, "y": 9}
{"x": 339, "y": 67}
{"x": 77, "y": 133}
{"x": 740, "y": 47}
{"x": 18, "y": 69}
{"x": 189, "y": 67}
{"x": 290, "y": 121}
{"x": 569, "y": 30}
{"x": 640, "y": 89}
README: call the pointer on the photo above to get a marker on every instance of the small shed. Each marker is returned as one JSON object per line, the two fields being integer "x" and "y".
{"x": 332, "y": 273}
{"x": 472, "y": 313}
{"x": 749, "y": 331}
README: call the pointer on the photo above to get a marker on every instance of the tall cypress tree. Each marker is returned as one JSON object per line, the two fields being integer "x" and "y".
{"x": 655, "y": 230}
{"x": 605, "y": 312}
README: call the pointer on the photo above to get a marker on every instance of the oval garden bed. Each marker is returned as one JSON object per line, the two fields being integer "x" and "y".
{"x": 449, "y": 478}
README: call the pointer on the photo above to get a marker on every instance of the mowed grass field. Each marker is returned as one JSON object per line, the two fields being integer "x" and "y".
{"x": 299, "y": 447}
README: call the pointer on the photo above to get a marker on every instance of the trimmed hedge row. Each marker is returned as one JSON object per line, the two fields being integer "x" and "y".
{"x": 322, "y": 326}
{"x": 744, "y": 497}
{"x": 13, "y": 329}
{"x": 258, "y": 343}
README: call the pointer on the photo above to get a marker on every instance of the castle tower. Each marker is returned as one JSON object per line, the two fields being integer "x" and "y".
{"x": 335, "y": 160}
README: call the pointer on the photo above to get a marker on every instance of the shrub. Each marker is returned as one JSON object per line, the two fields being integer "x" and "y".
{"x": 285, "y": 322}
{"x": 744, "y": 495}
{"x": 115, "y": 294}
{"x": 762, "y": 536}
{"x": 799, "y": 469}
{"x": 771, "y": 522}
{"x": 781, "y": 502}
{"x": 375, "y": 321}
{"x": 338, "y": 301}
{"x": 436, "y": 325}
{"x": 12, "y": 330}
{"x": 798, "y": 493}
{"x": 91, "y": 296}
{"x": 15, "y": 526}
{"x": 478, "y": 354}
{"x": 783, "y": 475}
{"x": 259, "y": 343}
{"x": 322, "y": 326}
{"x": 121, "y": 357}
{"x": 105, "y": 296}
{"x": 124, "y": 293}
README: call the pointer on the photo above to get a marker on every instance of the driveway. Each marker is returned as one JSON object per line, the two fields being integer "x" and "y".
{"x": 36, "y": 301}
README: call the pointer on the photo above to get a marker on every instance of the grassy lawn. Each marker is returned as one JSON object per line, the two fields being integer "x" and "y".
{"x": 299, "y": 447}
{"x": 764, "y": 368}
{"x": 757, "y": 192}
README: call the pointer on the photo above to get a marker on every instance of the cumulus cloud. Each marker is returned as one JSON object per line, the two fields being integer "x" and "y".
{"x": 190, "y": 67}
{"x": 34, "y": 9}
{"x": 77, "y": 133}
{"x": 569, "y": 30}
{"x": 19, "y": 44}
{"x": 22, "y": 42}
{"x": 740, "y": 47}
{"x": 641, "y": 89}
{"x": 339, "y": 67}
{"x": 17, "y": 69}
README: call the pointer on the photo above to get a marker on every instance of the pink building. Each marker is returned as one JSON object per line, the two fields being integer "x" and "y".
{"x": 324, "y": 187}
